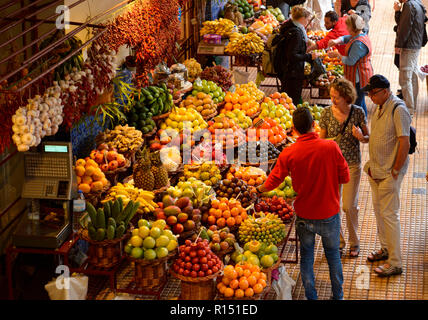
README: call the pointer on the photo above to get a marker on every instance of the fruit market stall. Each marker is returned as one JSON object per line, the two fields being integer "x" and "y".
{"x": 169, "y": 178}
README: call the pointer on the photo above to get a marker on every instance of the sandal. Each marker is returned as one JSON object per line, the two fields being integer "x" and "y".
{"x": 382, "y": 254}
{"x": 354, "y": 251}
{"x": 386, "y": 270}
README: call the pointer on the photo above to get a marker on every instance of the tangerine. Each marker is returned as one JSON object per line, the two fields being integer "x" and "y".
{"x": 229, "y": 292}
{"x": 221, "y": 287}
{"x": 258, "y": 288}
{"x": 263, "y": 276}
{"x": 252, "y": 280}
{"x": 211, "y": 220}
{"x": 234, "y": 284}
{"x": 218, "y": 213}
{"x": 215, "y": 203}
{"x": 226, "y": 214}
{"x": 247, "y": 272}
{"x": 243, "y": 283}
{"x": 225, "y": 281}
{"x": 80, "y": 171}
{"x": 239, "y": 293}
{"x": 221, "y": 222}
{"x": 249, "y": 292}
{"x": 234, "y": 212}
{"x": 262, "y": 282}
{"x": 239, "y": 270}
{"x": 230, "y": 222}
{"x": 223, "y": 206}
{"x": 238, "y": 220}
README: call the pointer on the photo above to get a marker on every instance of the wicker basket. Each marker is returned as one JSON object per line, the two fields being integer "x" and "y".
{"x": 95, "y": 197}
{"x": 151, "y": 133}
{"x": 112, "y": 176}
{"x": 151, "y": 274}
{"x": 104, "y": 254}
{"x": 268, "y": 272}
{"x": 197, "y": 288}
{"x": 210, "y": 116}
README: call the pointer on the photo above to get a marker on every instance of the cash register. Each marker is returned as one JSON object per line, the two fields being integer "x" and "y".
{"x": 50, "y": 186}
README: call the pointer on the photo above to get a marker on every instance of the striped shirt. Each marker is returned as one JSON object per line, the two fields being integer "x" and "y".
{"x": 385, "y": 130}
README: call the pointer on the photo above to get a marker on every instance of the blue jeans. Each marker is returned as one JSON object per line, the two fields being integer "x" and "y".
{"x": 361, "y": 101}
{"x": 329, "y": 230}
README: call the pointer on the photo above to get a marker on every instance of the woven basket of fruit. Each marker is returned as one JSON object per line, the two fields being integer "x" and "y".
{"x": 210, "y": 116}
{"x": 268, "y": 272}
{"x": 103, "y": 254}
{"x": 112, "y": 175}
{"x": 94, "y": 197}
{"x": 197, "y": 275}
{"x": 242, "y": 281}
{"x": 161, "y": 116}
{"x": 150, "y": 274}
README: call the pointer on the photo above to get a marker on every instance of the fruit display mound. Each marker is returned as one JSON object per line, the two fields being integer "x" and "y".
{"x": 237, "y": 189}
{"x": 266, "y": 228}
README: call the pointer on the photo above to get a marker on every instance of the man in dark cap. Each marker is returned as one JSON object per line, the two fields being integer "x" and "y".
{"x": 389, "y": 158}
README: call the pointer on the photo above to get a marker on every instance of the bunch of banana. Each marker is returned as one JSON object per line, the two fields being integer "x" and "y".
{"x": 222, "y": 27}
{"x": 128, "y": 192}
{"x": 244, "y": 44}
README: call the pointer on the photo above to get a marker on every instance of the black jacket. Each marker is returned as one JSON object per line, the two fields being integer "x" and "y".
{"x": 292, "y": 52}
{"x": 412, "y": 14}
{"x": 362, "y": 8}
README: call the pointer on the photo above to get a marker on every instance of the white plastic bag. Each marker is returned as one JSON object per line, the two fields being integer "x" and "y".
{"x": 77, "y": 288}
{"x": 283, "y": 287}
{"x": 240, "y": 77}
{"x": 422, "y": 75}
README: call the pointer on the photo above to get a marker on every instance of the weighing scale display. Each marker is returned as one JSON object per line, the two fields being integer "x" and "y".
{"x": 56, "y": 148}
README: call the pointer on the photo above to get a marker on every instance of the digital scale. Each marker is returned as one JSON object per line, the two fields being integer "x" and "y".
{"x": 51, "y": 185}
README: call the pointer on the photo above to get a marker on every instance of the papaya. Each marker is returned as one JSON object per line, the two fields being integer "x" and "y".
{"x": 172, "y": 211}
{"x": 125, "y": 212}
{"x": 107, "y": 210}
{"x": 92, "y": 233}
{"x": 120, "y": 204}
{"x": 132, "y": 213}
{"x": 111, "y": 222}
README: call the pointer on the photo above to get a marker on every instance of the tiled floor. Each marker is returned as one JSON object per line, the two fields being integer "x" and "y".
{"x": 413, "y": 283}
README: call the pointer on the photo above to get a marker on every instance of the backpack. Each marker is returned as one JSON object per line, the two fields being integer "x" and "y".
{"x": 412, "y": 137}
{"x": 271, "y": 62}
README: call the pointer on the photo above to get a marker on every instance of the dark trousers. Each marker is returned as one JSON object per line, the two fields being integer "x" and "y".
{"x": 293, "y": 87}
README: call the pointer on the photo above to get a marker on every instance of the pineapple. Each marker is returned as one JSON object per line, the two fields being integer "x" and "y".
{"x": 159, "y": 171}
{"x": 143, "y": 176}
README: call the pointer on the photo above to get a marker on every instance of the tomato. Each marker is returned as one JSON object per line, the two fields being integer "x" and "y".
{"x": 188, "y": 243}
{"x": 187, "y": 259}
{"x": 193, "y": 254}
{"x": 209, "y": 272}
{"x": 187, "y": 250}
{"x": 196, "y": 267}
{"x": 182, "y": 264}
{"x": 186, "y": 273}
{"x": 209, "y": 256}
{"x": 204, "y": 267}
{"x": 210, "y": 264}
{"x": 189, "y": 266}
{"x": 193, "y": 274}
{"x": 202, "y": 253}
{"x": 195, "y": 260}
{"x": 183, "y": 255}
{"x": 204, "y": 260}
{"x": 181, "y": 271}
{"x": 201, "y": 274}
{"x": 215, "y": 269}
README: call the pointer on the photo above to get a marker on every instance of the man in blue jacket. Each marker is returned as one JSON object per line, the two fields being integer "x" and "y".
{"x": 410, "y": 18}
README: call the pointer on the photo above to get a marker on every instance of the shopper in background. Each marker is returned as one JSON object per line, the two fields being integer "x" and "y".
{"x": 389, "y": 158}
{"x": 317, "y": 168}
{"x": 359, "y": 7}
{"x": 357, "y": 61}
{"x": 292, "y": 55}
{"x": 410, "y": 18}
{"x": 337, "y": 27}
{"x": 284, "y": 5}
{"x": 339, "y": 123}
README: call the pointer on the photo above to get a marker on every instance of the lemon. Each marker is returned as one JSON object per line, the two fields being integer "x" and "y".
{"x": 135, "y": 232}
{"x": 136, "y": 241}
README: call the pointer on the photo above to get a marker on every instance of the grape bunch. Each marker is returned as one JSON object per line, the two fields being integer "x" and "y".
{"x": 219, "y": 75}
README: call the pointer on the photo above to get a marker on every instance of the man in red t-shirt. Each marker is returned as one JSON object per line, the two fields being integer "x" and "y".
{"x": 337, "y": 27}
{"x": 317, "y": 168}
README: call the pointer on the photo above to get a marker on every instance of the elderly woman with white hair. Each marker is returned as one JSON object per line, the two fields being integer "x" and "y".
{"x": 357, "y": 58}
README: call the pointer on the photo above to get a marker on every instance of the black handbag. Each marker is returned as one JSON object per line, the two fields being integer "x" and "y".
{"x": 317, "y": 69}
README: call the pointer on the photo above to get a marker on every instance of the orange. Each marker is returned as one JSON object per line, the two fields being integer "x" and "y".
{"x": 235, "y": 99}
{"x": 243, "y": 99}
{"x": 218, "y": 213}
{"x": 249, "y": 292}
{"x": 87, "y": 179}
{"x": 239, "y": 293}
{"x": 215, "y": 203}
{"x": 85, "y": 188}
{"x": 234, "y": 212}
{"x": 221, "y": 287}
{"x": 262, "y": 282}
{"x": 252, "y": 280}
{"x": 243, "y": 284}
{"x": 229, "y": 292}
{"x": 224, "y": 200}
{"x": 247, "y": 272}
{"x": 212, "y": 211}
{"x": 230, "y": 222}
{"x": 80, "y": 171}
{"x": 244, "y": 215}
{"x": 263, "y": 276}
{"x": 228, "y": 97}
{"x": 225, "y": 281}
{"x": 239, "y": 270}
{"x": 211, "y": 220}
{"x": 258, "y": 288}
{"x": 79, "y": 180}
{"x": 80, "y": 163}
{"x": 226, "y": 213}
{"x": 223, "y": 206}
{"x": 234, "y": 284}
{"x": 228, "y": 106}
{"x": 254, "y": 268}
{"x": 221, "y": 222}
{"x": 238, "y": 219}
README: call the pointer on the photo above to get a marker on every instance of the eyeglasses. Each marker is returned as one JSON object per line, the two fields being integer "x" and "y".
{"x": 374, "y": 93}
